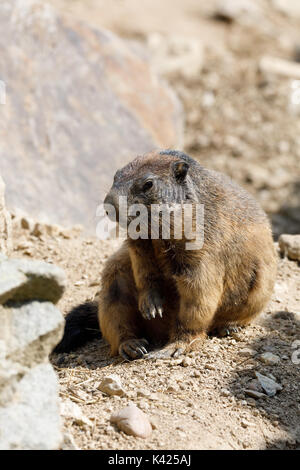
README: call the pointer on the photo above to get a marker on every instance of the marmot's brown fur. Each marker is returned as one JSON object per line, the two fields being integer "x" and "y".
{"x": 157, "y": 292}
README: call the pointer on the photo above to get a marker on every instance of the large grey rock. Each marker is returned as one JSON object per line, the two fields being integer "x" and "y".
{"x": 5, "y": 223}
{"x": 24, "y": 325}
{"x": 31, "y": 419}
{"x": 80, "y": 104}
{"x": 30, "y": 329}
{"x": 22, "y": 280}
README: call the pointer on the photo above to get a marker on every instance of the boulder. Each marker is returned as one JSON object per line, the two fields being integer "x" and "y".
{"x": 79, "y": 105}
{"x": 22, "y": 280}
{"x": 31, "y": 420}
{"x": 31, "y": 326}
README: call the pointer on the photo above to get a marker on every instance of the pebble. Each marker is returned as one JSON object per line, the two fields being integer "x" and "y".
{"x": 209, "y": 367}
{"x": 143, "y": 393}
{"x": 254, "y": 393}
{"x": 70, "y": 410}
{"x": 187, "y": 361}
{"x": 132, "y": 421}
{"x": 269, "y": 358}
{"x": 290, "y": 244}
{"x": 247, "y": 352}
{"x": 111, "y": 385}
{"x": 268, "y": 385}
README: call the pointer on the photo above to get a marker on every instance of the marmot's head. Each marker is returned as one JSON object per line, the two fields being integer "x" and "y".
{"x": 155, "y": 178}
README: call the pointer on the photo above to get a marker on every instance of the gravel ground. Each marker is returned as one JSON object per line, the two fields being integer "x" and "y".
{"x": 197, "y": 402}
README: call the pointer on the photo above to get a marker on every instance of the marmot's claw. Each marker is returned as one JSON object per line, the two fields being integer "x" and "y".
{"x": 151, "y": 305}
{"x": 133, "y": 349}
{"x": 227, "y": 330}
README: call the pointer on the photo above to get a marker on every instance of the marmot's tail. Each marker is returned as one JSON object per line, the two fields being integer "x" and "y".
{"x": 81, "y": 326}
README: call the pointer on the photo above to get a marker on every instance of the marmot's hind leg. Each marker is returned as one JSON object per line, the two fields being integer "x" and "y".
{"x": 119, "y": 317}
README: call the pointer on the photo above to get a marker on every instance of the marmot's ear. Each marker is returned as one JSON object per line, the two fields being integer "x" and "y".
{"x": 180, "y": 169}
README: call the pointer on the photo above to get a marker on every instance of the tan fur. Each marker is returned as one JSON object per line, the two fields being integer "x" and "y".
{"x": 226, "y": 283}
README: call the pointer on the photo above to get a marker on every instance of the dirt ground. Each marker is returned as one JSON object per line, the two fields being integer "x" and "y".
{"x": 200, "y": 404}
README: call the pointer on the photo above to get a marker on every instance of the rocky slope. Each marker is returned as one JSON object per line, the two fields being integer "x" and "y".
{"x": 79, "y": 104}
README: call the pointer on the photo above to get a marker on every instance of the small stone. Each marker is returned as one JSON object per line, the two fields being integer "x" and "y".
{"x": 23, "y": 245}
{"x": 187, "y": 361}
{"x": 254, "y": 385}
{"x": 269, "y": 358}
{"x": 254, "y": 394}
{"x": 38, "y": 230}
{"x": 155, "y": 421}
{"x": 225, "y": 393}
{"x": 70, "y": 410}
{"x": 111, "y": 385}
{"x": 172, "y": 388}
{"x": 68, "y": 443}
{"x": 290, "y": 246}
{"x": 269, "y": 385}
{"x": 176, "y": 362}
{"x": 209, "y": 367}
{"x": 245, "y": 424}
{"x": 247, "y": 352}
{"x": 234, "y": 10}
{"x": 195, "y": 373}
{"x": 132, "y": 421}
{"x": 27, "y": 223}
{"x": 143, "y": 393}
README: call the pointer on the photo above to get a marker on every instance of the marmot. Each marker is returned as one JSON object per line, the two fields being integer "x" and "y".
{"x": 155, "y": 292}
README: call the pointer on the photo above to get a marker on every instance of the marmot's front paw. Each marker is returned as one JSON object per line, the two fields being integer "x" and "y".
{"x": 150, "y": 304}
{"x": 133, "y": 349}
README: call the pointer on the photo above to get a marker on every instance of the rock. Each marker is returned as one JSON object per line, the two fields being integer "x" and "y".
{"x": 235, "y": 10}
{"x": 70, "y": 410}
{"x": 276, "y": 66}
{"x": 176, "y": 56}
{"x": 143, "y": 393}
{"x": 289, "y": 245}
{"x": 31, "y": 419}
{"x": 77, "y": 133}
{"x": 269, "y": 358}
{"x": 111, "y": 385}
{"x": 22, "y": 280}
{"x": 132, "y": 421}
{"x": 25, "y": 324}
{"x": 288, "y": 7}
{"x": 29, "y": 411}
{"x": 254, "y": 385}
{"x": 268, "y": 385}
{"x": 69, "y": 443}
{"x": 5, "y": 223}
{"x": 247, "y": 352}
{"x": 27, "y": 223}
{"x": 225, "y": 393}
{"x": 187, "y": 361}
{"x": 254, "y": 394}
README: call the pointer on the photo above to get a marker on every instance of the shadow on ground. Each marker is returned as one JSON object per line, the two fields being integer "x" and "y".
{"x": 282, "y": 330}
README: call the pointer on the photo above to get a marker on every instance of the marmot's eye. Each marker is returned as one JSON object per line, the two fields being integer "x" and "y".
{"x": 148, "y": 185}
